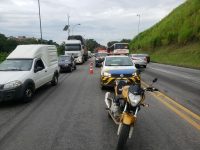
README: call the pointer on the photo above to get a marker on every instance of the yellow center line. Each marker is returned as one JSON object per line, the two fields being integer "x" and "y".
{"x": 160, "y": 96}
{"x": 185, "y": 117}
{"x": 181, "y": 107}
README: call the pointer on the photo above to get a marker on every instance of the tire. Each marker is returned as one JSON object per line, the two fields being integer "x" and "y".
{"x": 54, "y": 80}
{"x": 71, "y": 69}
{"x": 28, "y": 93}
{"x": 123, "y": 136}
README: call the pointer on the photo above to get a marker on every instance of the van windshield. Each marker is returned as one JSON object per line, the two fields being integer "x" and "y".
{"x": 72, "y": 47}
{"x": 16, "y": 65}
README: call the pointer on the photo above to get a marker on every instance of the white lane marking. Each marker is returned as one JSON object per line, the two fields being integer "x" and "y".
{"x": 177, "y": 74}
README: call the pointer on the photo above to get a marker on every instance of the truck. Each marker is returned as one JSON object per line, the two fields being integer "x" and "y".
{"x": 26, "y": 69}
{"x": 82, "y": 40}
{"x": 75, "y": 48}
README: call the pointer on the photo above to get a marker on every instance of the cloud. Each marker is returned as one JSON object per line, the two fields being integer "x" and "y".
{"x": 101, "y": 20}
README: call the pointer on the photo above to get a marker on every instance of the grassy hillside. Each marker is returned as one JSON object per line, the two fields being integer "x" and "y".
{"x": 174, "y": 40}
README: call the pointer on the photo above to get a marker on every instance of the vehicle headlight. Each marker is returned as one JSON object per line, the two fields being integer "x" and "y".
{"x": 106, "y": 74}
{"x": 134, "y": 99}
{"x": 11, "y": 85}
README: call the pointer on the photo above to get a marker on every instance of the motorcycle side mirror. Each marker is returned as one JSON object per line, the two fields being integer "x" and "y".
{"x": 155, "y": 80}
{"x": 137, "y": 66}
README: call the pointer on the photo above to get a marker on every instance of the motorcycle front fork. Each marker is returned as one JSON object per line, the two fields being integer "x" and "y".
{"x": 132, "y": 127}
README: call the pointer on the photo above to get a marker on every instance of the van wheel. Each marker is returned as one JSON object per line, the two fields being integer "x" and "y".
{"x": 54, "y": 80}
{"x": 28, "y": 93}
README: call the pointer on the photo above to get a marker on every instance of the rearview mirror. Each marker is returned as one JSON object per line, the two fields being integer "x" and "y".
{"x": 155, "y": 80}
{"x": 137, "y": 66}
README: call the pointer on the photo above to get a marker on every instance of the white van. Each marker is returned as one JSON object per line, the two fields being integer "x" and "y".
{"x": 27, "y": 68}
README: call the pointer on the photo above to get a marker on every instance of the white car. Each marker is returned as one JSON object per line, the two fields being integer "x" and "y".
{"x": 117, "y": 67}
{"x": 26, "y": 69}
{"x": 139, "y": 59}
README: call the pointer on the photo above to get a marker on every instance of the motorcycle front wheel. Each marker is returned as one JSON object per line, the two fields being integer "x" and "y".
{"x": 123, "y": 136}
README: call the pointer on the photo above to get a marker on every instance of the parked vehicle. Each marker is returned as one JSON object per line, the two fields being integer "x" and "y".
{"x": 115, "y": 67}
{"x": 99, "y": 58}
{"x": 66, "y": 63}
{"x": 26, "y": 69}
{"x": 139, "y": 59}
{"x": 123, "y": 106}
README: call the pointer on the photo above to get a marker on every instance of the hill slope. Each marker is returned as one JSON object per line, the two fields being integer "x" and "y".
{"x": 174, "y": 37}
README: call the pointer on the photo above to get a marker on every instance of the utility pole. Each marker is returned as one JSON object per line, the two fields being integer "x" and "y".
{"x": 40, "y": 21}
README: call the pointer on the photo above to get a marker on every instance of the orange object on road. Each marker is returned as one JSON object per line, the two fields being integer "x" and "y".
{"x": 91, "y": 71}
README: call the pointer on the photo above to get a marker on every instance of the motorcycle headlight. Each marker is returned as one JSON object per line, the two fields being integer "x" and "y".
{"x": 134, "y": 99}
{"x": 106, "y": 74}
{"x": 11, "y": 85}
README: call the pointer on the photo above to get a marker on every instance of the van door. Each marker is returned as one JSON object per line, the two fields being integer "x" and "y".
{"x": 39, "y": 73}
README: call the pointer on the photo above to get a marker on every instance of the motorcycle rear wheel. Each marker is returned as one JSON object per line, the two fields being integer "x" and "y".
{"x": 123, "y": 136}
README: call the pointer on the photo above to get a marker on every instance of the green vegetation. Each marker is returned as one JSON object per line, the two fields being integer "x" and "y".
{"x": 174, "y": 40}
{"x": 91, "y": 44}
{"x": 186, "y": 56}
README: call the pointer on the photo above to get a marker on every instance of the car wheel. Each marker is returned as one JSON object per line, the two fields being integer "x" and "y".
{"x": 71, "y": 69}
{"x": 54, "y": 80}
{"x": 28, "y": 93}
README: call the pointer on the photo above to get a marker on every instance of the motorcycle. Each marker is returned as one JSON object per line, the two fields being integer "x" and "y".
{"x": 123, "y": 106}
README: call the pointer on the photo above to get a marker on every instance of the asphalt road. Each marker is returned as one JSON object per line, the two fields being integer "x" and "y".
{"x": 72, "y": 116}
{"x": 181, "y": 84}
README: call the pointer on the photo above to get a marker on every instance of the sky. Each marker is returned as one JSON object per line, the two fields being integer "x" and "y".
{"x": 101, "y": 20}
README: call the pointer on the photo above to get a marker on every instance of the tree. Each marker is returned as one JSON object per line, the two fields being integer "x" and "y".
{"x": 125, "y": 41}
{"x": 91, "y": 44}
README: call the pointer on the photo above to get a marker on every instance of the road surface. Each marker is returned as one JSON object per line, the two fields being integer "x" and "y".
{"x": 72, "y": 116}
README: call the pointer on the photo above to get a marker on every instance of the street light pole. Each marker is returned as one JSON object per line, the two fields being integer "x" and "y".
{"x": 138, "y": 28}
{"x": 75, "y": 26}
{"x": 68, "y": 24}
{"x": 138, "y": 23}
{"x": 40, "y": 21}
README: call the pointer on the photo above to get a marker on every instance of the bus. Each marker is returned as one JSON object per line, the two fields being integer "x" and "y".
{"x": 119, "y": 48}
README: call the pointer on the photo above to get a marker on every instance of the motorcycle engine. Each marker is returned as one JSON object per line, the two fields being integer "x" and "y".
{"x": 115, "y": 110}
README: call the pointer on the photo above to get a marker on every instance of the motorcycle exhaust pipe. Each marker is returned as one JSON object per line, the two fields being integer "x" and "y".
{"x": 106, "y": 99}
